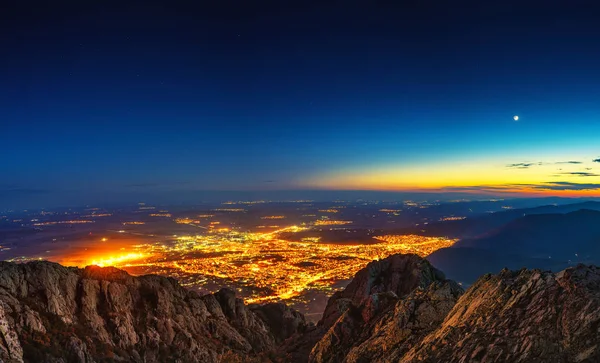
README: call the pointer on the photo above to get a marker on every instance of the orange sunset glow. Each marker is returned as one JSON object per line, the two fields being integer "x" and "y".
{"x": 568, "y": 178}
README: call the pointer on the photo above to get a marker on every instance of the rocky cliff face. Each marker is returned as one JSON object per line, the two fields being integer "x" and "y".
{"x": 353, "y": 313}
{"x": 51, "y": 313}
{"x": 386, "y": 308}
{"x": 397, "y": 274}
{"x": 522, "y": 316}
{"x": 400, "y": 309}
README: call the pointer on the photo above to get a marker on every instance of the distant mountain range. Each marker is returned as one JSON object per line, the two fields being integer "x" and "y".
{"x": 548, "y": 237}
{"x": 465, "y": 265}
{"x": 573, "y": 236}
{"x": 476, "y": 226}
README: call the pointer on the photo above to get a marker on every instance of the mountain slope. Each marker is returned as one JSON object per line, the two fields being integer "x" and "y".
{"x": 521, "y": 316}
{"x": 477, "y": 226}
{"x": 366, "y": 305}
{"x": 546, "y": 241}
{"x": 557, "y": 235}
{"x": 466, "y": 265}
{"x": 51, "y": 313}
{"x": 372, "y": 291}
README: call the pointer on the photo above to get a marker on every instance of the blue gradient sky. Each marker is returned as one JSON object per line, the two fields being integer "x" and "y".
{"x": 111, "y": 97}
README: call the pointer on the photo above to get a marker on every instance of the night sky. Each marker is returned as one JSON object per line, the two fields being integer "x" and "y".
{"x": 103, "y": 98}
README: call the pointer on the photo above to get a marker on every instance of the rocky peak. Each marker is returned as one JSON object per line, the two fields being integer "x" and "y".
{"x": 51, "y": 313}
{"x": 398, "y": 274}
{"x": 373, "y": 311}
{"x": 281, "y": 320}
{"x": 521, "y": 316}
{"x": 105, "y": 273}
{"x": 514, "y": 316}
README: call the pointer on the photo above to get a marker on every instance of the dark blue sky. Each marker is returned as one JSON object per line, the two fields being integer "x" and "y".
{"x": 111, "y": 97}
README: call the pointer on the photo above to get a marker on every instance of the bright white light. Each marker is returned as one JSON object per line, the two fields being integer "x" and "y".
{"x": 516, "y": 118}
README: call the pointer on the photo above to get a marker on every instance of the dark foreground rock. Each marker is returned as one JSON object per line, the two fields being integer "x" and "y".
{"x": 51, "y": 313}
{"x": 399, "y": 309}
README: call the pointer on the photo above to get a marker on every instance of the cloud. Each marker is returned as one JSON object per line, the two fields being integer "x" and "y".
{"x": 524, "y": 188}
{"x": 581, "y": 173}
{"x": 596, "y": 160}
{"x": 528, "y": 165}
{"x": 567, "y": 186}
{"x": 569, "y": 162}
{"x": 480, "y": 188}
{"x": 522, "y": 165}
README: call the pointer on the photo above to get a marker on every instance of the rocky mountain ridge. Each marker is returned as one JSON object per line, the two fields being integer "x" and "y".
{"x": 399, "y": 309}
{"x": 51, "y": 313}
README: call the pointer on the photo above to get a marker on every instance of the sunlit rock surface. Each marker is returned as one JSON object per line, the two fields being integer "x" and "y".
{"x": 51, "y": 313}
{"x": 515, "y": 316}
{"x": 399, "y": 309}
{"x": 521, "y": 316}
{"x": 390, "y": 301}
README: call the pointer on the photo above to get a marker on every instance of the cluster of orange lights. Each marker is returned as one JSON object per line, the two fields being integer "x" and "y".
{"x": 272, "y": 267}
{"x": 272, "y": 217}
{"x": 452, "y": 218}
{"x": 186, "y": 221}
{"x": 327, "y": 222}
{"x": 118, "y": 260}
{"x": 63, "y": 222}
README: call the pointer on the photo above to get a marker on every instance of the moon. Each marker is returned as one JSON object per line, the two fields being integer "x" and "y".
{"x": 516, "y": 118}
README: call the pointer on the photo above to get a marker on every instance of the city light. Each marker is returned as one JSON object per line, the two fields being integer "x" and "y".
{"x": 270, "y": 267}
{"x": 118, "y": 260}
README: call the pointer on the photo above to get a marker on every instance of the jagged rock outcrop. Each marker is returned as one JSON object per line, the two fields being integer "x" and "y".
{"x": 521, "y": 316}
{"x": 399, "y": 309}
{"x": 281, "y": 320}
{"x": 51, "y": 313}
{"x": 410, "y": 320}
{"x": 377, "y": 286}
{"x": 386, "y": 306}
{"x": 399, "y": 274}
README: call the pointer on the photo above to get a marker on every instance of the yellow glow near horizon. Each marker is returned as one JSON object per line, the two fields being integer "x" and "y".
{"x": 511, "y": 177}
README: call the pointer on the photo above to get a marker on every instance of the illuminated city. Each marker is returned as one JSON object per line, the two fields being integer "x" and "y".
{"x": 302, "y": 258}
{"x": 271, "y": 268}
